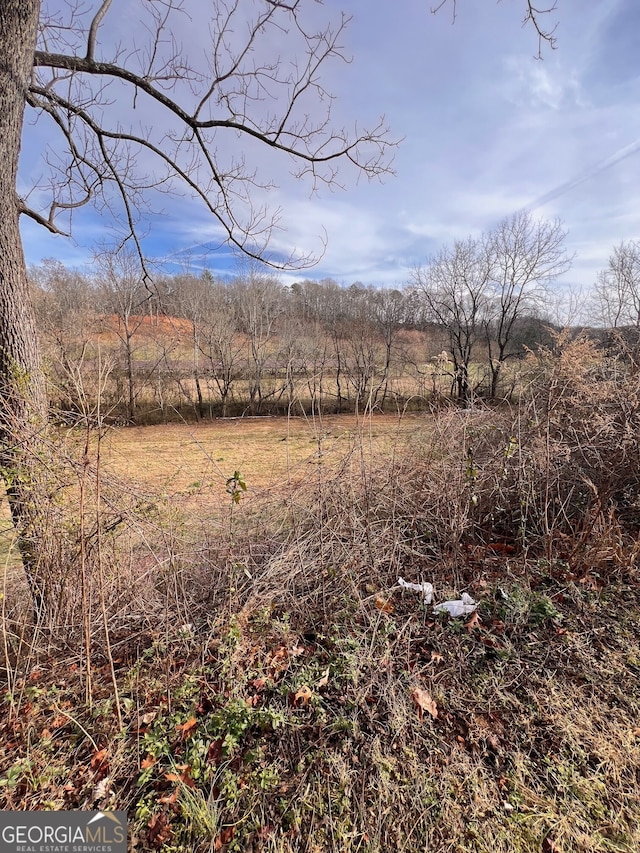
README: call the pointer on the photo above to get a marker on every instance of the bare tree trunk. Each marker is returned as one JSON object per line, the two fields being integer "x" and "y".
{"x": 23, "y": 404}
{"x": 131, "y": 393}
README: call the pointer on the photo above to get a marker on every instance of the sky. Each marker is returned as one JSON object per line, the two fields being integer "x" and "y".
{"x": 486, "y": 129}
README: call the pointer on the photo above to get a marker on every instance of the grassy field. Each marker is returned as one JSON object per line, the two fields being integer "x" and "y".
{"x": 191, "y": 463}
{"x": 254, "y": 677}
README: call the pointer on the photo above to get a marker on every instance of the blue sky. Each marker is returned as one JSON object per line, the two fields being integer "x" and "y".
{"x": 487, "y": 130}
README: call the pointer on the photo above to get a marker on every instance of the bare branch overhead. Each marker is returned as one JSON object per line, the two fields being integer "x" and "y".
{"x": 255, "y": 80}
{"x": 534, "y": 15}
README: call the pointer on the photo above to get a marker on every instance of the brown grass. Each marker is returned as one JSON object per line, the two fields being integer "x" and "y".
{"x": 192, "y": 462}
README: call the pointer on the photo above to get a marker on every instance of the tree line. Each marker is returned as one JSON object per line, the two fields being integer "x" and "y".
{"x": 190, "y": 344}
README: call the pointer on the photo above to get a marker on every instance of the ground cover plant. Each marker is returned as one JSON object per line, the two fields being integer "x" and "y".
{"x": 242, "y": 671}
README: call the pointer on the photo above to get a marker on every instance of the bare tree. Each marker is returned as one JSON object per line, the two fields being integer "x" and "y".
{"x": 259, "y": 307}
{"x": 66, "y": 311}
{"x": 255, "y": 86}
{"x": 616, "y": 300}
{"x": 525, "y": 256}
{"x": 221, "y": 343}
{"x": 390, "y": 310}
{"x": 453, "y": 287}
{"x": 125, "y": 303}
{"x": 617, "y": 290}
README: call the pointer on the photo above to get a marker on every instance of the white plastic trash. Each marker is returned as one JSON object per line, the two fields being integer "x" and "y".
{"x": 424, "y": 588}
{"x": 460, "y": 607}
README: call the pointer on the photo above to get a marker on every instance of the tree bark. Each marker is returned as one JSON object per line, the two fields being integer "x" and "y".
{"x": 23, "y": 403}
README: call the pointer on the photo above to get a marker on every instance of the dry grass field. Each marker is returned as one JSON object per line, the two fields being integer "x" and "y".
{"x": 191, "y": 463}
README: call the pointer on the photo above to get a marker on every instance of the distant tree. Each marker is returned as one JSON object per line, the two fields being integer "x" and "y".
{"x": 360, "y": 345}
{"x": 453, "y": 289}
{"x": 124, "y": 302}
{"x": 222, "y": 344}
{"x": 524, "y": 256}
{"x": 260, "y": 304}
{"x": 617, "y": 300}
{"x": 66, "y": 311}
{"x": 390, "y": 312}
{"x": 617, "y": 290}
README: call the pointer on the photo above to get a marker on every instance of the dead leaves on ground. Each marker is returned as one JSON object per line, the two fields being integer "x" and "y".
{"x": 302, "y": 696}
{"x": 187, "y": 728}
{"x": 383, "y": 604}
{"x": 159, "y": 830}
{"x": 424, "y": 702}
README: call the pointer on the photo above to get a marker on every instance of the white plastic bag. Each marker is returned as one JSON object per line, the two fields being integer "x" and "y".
{"x": 425, "y": 588}
{"x": 460, "y": 607}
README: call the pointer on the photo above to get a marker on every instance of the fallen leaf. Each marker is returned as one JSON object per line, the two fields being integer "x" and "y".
{"x": 280, "y": 653}
{"x": 159, "y": 830}
{"x": 148, "y": 762}
{"x": 474, "y": 622}
{"x": 102, "y": 789}
{"x": 224, "y": 838}
{"x": 169, "y": 799}
{"x": 383, "y": 604}
{"x": 325, "y": 679}
{"x": 550, "y": 846}
{"x": 187, "y": 728}
{"x": 424, "y": 703}
{"x": 99, "y": 759}
{"x": 303, "y": 695}
{"x": 214, "y": 752}
{"x": 436, "y": 657}
{"x": 258, "y": 683}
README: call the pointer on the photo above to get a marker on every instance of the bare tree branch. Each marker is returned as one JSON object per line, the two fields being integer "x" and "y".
{"x": 93, "y": 29}
{"x": 533, "y": 16}
{"x": 242, "y": 92}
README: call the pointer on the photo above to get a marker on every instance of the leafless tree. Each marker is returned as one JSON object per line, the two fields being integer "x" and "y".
{"x": 259, "y": 308}
{"x": 453, "y": 287}
{"x": 525, "y": 256}
{"x": 616, "y": 300}
{"x": 617, "y": 290}
{"x": 222, "y": 344}
{"x": 124, "y": 303}
{"x": 249, "y": 82}
{"x": 66, "y": 317}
